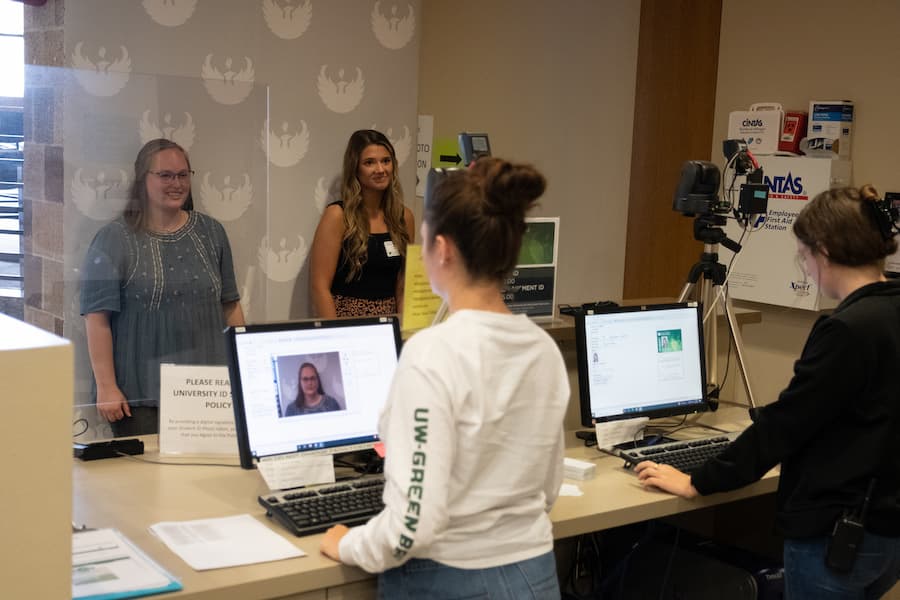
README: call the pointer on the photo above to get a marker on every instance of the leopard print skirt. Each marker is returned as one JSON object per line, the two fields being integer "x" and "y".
{"x": 348, "y": 306}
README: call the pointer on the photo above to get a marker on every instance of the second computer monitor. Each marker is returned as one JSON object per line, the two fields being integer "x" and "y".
{"x": 641, "y": 361}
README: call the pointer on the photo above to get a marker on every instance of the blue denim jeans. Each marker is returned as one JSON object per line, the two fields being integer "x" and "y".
{"x": 876, "y": 570}
{"x": 421, "y": 578}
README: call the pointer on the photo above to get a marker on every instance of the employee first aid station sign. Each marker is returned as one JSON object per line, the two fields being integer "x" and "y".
{"x": 768, "y": 269}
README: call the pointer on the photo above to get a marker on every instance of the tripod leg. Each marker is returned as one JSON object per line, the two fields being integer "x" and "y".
{"x": 710, "y": 331}
{"x": 686, "y": 291}
{"x": 739, "y": 350}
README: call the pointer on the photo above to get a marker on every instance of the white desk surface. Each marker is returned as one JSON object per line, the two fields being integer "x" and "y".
{"x": 131, "y": 496}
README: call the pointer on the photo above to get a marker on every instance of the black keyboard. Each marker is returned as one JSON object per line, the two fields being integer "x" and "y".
{"x": 308, "y": 511}
{"x": 684, "y": 455}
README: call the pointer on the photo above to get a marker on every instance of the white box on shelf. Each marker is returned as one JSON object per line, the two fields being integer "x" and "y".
{"x": 760, "y": 126}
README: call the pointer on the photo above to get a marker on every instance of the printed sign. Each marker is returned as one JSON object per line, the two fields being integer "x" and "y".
{"x": 423, "y": 152}
{"x": 195, "y": 412}
{"x": 420, "y": 304}
{"x": 768, "y": 269}
{"x": 531, "y": 287}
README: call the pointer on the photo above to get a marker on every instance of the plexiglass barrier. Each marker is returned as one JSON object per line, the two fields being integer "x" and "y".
{"x": 261, "y": 176}
{"x": 172, "y": 286}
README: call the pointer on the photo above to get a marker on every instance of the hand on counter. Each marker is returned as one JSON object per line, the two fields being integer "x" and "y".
{"x": 331, "y": 542}
{"x": 666, "y": 478}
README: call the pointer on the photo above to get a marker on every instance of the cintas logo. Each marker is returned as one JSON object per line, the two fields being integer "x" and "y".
{"x": 786, "y": 187}
{"x": 752, "y": 123}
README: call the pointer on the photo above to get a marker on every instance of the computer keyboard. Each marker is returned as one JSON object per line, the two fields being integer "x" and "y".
{"x": 684, "y": 455}
{"x": 313, "y": 510}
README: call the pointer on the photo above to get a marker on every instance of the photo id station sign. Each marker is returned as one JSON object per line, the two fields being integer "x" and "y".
{"x": 531, "y": 287}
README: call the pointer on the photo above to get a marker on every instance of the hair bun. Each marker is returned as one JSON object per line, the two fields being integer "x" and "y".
{"x": 880, "y": 214}
{"x": 868, "y": 193}
{"x": 509, "y": 188}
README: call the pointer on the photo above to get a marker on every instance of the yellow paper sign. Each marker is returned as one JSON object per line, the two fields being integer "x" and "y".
{"x": 420, "y": 304}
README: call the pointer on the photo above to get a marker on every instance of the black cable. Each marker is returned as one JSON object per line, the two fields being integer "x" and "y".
{"x": 665, "y": 429}
{"x": 728, "y": 353}
{"x": 621, "y": 569}
{"x": 667, "y": 572}
{"x": 725, "y": 299}
{"x": 705, "y": 426}
{"x": 83, "y": 421}
{"x": 176, "y": 464}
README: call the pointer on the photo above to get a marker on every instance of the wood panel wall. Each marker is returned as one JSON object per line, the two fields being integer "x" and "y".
{"x": 674, "y": 107}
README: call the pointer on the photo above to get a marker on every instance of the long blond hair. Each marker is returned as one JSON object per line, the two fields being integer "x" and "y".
{"x": 356, "y": 220}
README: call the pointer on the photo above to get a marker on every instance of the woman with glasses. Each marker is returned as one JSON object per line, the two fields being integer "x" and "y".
{"x": 357, "y": 255}
{"x": 311, "y": 396}
{"x": 835, "y": 428}
{"x": 157, "y": 286}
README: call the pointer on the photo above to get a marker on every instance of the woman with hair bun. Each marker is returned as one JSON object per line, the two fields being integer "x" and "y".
{"x": 474, "y": 420}
{"x": 836, "y": 427}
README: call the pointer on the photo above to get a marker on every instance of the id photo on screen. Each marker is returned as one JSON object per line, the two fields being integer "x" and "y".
{"x": 310, "y": 384}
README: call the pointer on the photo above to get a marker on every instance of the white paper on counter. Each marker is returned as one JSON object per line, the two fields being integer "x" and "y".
{"x": 224, "y": 542}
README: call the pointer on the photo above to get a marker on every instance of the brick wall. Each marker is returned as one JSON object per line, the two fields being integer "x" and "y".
{"x": 43, "y": 168}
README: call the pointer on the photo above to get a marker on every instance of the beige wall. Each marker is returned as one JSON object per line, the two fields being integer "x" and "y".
{"x": 553, "y": 84}
{"x": 794, "y": 52}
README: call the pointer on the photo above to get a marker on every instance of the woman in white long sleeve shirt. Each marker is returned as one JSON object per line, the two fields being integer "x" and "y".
{"x": 473, "y": 424}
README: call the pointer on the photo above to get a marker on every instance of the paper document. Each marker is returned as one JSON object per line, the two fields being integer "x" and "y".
{"x": 611, "y": 433}
{"x": 224, "y": 542}
{"x": 106, "y": 565}
{"x": 570, "y": 489}
{"x": 296, "y": 470}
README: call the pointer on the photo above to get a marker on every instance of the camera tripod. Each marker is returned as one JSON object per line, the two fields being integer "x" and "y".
{"x": 710, "y": 274}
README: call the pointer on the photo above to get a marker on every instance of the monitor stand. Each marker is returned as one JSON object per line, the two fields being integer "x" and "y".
{"x": 650, "y": 440}
{"x": 362, "y": 462}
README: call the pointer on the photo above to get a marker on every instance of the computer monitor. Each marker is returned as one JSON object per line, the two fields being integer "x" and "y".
{"x": 640, "y": 361}
{"x": 354, "y": 361}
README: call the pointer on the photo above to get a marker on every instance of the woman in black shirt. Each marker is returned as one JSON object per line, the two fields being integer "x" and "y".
{"x": 358, "y": 252}
{"x": 835, "y": 428}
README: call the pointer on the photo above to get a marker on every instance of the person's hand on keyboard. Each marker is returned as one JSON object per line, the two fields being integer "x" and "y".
{"x": 666, "y": 478}
{"x": 331, "y": 541}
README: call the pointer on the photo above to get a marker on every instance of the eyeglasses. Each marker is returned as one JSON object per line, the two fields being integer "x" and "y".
{"x": 170, "y": 177}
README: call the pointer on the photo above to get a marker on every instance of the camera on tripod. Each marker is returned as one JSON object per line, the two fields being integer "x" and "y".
{"x": 697, "y": 193}
{"x": 697, "y": 196}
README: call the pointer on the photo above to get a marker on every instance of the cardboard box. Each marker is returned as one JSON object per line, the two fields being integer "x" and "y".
{"x": 767, "y": 269}
{"x": 830, "y": 129}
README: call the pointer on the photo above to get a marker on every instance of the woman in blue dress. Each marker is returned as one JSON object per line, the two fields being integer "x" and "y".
{"x": 157, "y": 286}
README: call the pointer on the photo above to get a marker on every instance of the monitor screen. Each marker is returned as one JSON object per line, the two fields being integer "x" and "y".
{"x": 310, "y": 386}
{"x": 640, "y": 361}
